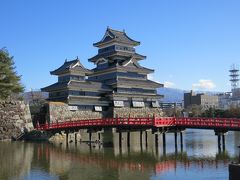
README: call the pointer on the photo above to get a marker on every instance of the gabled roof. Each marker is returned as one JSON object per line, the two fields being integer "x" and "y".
{"x": 129, "y": 65}
{"x": 73, "y": 65}
{"x": 55, "y": 86}
{"x": 135, "y": 83}
{"x": 83, "y": 85}
{"x": 132, "y": 65}
{"x": 116, "y": 53}
{"x": 79, "y": 85}
{"x": 112, "y": 35}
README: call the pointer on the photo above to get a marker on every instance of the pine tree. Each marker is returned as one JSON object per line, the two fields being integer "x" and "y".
{"x": 9, "y": 80}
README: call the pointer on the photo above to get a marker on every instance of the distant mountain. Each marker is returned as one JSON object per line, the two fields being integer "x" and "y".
{"x": 177, "y": 95}
{"x": 171, "y": 95}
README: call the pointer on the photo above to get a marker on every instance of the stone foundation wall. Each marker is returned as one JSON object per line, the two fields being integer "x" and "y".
{"x": 137, "y": 112}
{"x": 58, "y": 111}
{"x": 14, "y": 118}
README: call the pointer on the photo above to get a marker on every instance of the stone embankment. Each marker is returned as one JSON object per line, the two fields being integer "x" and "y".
{"x": 138, "y": 112}
{"x": 15, "y": 118}
{"x": 60, "y": 112}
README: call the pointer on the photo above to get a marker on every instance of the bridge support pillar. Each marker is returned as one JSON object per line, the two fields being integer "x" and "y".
{"x": 146, "y": 139}
{"x": 181, "y": 140}
{"x": 90, "y": 137}
{"x": 156, "y": 141}
{"x": 75, "y": 138}
{"x": 66, "y": 138}
{"x": 219, "y": 142}
{"x": 128, "y": 139}
{"x": 164, "y": 142}
{"x": 175, "y": 137}
{"x": 120, "y": 139}
{"x": 223, "y": 142}
{"x": 141, "y": 139}
{"x": 99, "y": 137}
{"x": 220, "y": 133}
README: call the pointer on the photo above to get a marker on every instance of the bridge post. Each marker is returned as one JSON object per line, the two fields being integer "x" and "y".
{"x": 66, "y": 137}
{"x": 219, "y": 142}
{"x": 141, "y": 139}
{"x": 90, "y": 137}
{"x": 156, "y": 139}
{"x": 99, "y": 136}
{"x": 164, "y": 142}
{"x": 156, "y": 143}
{"x": 128, "y": 139}
{"x": 120, "y": 139}
{"x": 146, "y": 139}
{"x": 175, "y": 137}
{"x": 223, "y": 142}
{"x": 181, "y": 140}
{"x": 75, "y": 138}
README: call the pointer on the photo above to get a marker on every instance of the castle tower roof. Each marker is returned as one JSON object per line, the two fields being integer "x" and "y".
{"x": 68, "y": 66}
{"x": 112, "y": 35}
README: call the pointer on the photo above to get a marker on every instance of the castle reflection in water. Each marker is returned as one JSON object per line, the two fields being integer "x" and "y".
{"x": 58, "y": 161}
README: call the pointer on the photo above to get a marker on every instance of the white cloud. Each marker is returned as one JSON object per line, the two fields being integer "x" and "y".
{"x": 203, "y": 84}
{"x": 168, "y": 84}
{"x": 152, "y": 78}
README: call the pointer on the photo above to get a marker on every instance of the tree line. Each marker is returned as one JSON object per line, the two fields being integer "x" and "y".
{"x": 198, "y": 111}
{"x": 9, "y": 79}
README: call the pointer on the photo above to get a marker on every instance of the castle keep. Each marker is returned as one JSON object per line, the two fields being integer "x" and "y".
{"x": 118, "y": 85}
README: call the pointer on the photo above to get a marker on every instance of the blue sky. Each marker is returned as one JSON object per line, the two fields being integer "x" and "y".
{"x": 189, "y": 43}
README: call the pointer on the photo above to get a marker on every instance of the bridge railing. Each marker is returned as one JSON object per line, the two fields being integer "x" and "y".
{"x": 197, "y": 122}
{"x": 209, "y": 122}
{"x": 164, "y": 121}
{"x": 97, "y": 122}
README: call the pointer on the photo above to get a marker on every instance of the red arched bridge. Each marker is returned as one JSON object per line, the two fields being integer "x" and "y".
{"x": 228, "y": 124}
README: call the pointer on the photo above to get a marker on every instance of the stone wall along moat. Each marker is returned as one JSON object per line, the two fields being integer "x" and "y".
{"x": 137, "y": 112}
{"x": 58, "y": 111}
{"x": 15, "y": 118}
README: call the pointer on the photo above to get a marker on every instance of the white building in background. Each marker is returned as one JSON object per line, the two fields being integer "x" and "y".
{"x": 224, "y": 100}
{"x": 229, "y": 99}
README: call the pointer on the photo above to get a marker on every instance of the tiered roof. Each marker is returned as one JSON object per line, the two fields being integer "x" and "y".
{"x": 126, "y": 82}
{"x": 86, "y": 85}
{"x": 71, "y": 66}
{"x": 117, "y": 53}
{"x": 117, "y": 37}
{"x": 129, "y": 65}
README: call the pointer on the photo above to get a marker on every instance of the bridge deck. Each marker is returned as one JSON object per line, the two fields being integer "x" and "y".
{"x": 200, "y": 123}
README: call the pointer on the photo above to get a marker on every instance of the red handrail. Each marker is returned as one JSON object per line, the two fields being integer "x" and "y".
{"x": 198, "y": 122}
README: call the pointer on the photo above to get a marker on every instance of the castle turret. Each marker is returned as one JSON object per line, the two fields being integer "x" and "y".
{"x": 73, "y": 87}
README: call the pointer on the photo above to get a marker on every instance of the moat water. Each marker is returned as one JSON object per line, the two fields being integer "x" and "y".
{"x": 199, "y": 158}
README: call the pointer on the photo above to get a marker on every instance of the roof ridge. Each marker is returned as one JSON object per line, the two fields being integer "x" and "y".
{"x": 116, "y": 30}
{"x": 71, "y": 61}
{"x": 116, "y": 35}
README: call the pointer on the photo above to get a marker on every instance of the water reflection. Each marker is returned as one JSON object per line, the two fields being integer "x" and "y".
{"x": 79, "y": 161}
